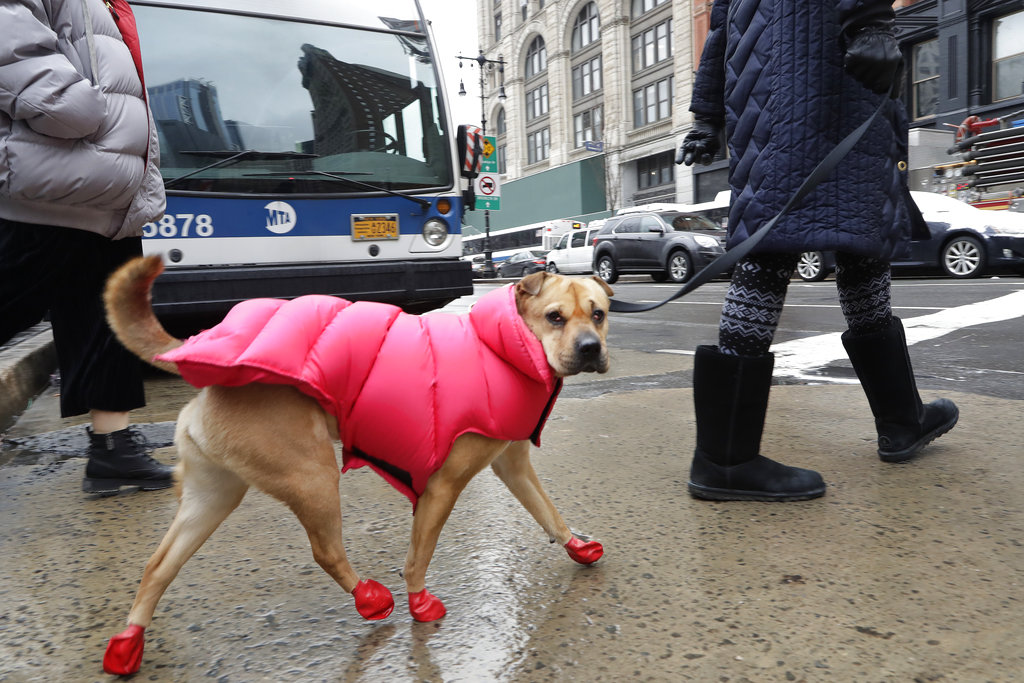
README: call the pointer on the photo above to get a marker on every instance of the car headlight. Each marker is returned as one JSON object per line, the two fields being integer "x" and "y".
{"x": 705, "y": 241}
{"x": 435, "y": 232}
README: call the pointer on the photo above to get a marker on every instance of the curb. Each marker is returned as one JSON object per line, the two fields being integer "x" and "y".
{"x": 26, "y": 364}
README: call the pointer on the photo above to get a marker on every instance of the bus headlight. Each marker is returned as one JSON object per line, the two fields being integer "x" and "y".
{"x": 435, "y": 232}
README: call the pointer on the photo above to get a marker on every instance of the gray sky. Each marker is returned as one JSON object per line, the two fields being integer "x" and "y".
{"x": 454, "y": 26}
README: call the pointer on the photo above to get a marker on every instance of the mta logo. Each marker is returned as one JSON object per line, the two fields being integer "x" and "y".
{"x": 280, "y": 217}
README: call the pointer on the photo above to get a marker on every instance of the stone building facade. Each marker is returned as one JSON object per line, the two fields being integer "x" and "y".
{"x": 605, "y": 84}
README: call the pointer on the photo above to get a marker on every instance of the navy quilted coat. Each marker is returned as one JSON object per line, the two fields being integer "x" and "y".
{"x": 773, "y": 70}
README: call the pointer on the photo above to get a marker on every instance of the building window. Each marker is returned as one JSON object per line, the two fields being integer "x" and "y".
{"x": 655, "y": 170}
{"x": 1008, "y": 56}
{"x": 537, "y": 102}
{"x": 536, "y": 57}
{"x": 588, "y": 125}
{"x": 652, "y": 46}
{"x": 538, "y": 145}
{"x": 501, "y": 125}
{"x": 586, "y": 29}
{"x": 641, "y": 7}
{"x": 523, "y": 9}
{"x": 586, "y": 78}
{"x": 502, "y": 159}
{"x": 497, "y": 26}
{"x": 926, "y": 78}
{"x": 652, "y": 102}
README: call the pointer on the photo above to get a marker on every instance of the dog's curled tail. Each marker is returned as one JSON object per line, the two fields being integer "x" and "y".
{"x": 130, "y": 311}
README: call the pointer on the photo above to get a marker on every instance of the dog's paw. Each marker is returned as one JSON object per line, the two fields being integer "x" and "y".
{"x": 584, "y": 552}
{"x": 373, "y": 600}
{"x": 424, "y": 606}
{"x": 124, "y": 652}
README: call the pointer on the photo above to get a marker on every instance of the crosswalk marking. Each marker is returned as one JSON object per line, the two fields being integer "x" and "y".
{"x": 797, "y": 358}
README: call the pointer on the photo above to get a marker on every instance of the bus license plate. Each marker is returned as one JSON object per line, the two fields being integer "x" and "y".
{"x": 377, "y": 227}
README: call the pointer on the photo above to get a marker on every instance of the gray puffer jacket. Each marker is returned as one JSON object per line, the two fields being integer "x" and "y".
{"x": 78, "y": 147}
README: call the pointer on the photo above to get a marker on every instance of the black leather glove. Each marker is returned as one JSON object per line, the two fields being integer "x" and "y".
{"x": 873, "y": 55}
{"x": 702, "y": 143}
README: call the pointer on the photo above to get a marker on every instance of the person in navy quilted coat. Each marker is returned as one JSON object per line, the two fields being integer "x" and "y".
{"x": 785, "y": 81}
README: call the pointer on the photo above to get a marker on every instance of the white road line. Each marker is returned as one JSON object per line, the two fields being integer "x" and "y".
{"x": 795, "y": 358}
{"x": 798, "y": 357}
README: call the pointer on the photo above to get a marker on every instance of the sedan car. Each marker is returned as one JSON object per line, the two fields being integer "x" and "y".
{"x": 523, "y": 263}
{"x": 965, "y": 242}
{"x": 667, "y": 245}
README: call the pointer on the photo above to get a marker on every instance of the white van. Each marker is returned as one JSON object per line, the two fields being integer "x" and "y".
{"x": 574, "y": 251}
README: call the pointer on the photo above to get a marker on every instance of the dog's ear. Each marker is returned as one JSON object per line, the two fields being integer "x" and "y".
{"x": 532, "y": 283}
{"x": 604, "y": 285}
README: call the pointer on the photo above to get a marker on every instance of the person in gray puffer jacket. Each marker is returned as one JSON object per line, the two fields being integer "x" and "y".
{"x": 79, "y": 178}
{"x": 786, "y": 80}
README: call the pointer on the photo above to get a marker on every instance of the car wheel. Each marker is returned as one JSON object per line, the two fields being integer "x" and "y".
{"x": 679, "y": 266}
{"x": 811, "y": 266}
{"x": 606, "y": 269}
{"x": 963, "y": 257}
{"x": 552, "y": 268}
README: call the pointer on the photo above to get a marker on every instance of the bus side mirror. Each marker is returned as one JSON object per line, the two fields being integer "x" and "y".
{"x": 469, "y": 141}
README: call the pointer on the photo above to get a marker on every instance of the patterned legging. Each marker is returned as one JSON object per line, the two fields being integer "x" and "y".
{"x": 757, "y": 292}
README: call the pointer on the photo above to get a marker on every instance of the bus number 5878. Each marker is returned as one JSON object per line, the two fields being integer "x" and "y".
{"x": 180, "y": 225}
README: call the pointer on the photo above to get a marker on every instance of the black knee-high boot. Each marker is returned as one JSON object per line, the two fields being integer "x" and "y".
{"x": 730, "y": 397}
{"x": 904, "y": 424}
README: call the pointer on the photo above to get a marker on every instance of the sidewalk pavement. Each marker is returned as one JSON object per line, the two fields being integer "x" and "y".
{"x": 908, "y": 572}
{"x": 26, "y": 363}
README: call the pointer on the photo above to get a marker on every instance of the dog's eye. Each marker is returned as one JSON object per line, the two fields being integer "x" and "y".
{"x": 555, "y": 318}
{"x": 598, "y": 316}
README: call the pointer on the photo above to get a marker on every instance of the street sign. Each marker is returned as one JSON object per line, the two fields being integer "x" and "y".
{"x": 489, "y": 158}
{"x": 593, "y": 146}
{"x": 488, "y": 191}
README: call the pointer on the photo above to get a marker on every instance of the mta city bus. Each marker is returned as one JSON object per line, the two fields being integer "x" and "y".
{"x": 305, "y": 148}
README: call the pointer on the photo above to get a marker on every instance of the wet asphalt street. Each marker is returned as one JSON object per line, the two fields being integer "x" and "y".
{"x": 907, "y": 572}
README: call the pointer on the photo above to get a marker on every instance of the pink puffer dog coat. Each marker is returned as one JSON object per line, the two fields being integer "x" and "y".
{"x": 403, "y": 387}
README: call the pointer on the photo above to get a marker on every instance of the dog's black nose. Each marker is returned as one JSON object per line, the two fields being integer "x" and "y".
{"x": 588, "y": 346}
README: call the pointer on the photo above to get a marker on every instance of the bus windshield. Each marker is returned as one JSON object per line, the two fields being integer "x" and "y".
{"x": 258, "y": 105}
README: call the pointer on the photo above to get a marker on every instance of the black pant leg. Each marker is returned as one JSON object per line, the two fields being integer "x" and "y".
{"x": 97, "y": 372}
{"x": 31, "y": 263}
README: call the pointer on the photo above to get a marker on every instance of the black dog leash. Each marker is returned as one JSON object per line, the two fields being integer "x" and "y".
{"x": 731, "y": 257}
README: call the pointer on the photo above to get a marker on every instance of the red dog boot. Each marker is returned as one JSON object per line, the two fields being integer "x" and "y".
{"x": 584, "y": 552}
{"x": 426, "y": 607}
{"x": 373, "y": 600}
{"x": 124, "y": 652}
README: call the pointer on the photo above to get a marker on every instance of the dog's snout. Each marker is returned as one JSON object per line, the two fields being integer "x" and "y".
{"x": 588, "y": 346}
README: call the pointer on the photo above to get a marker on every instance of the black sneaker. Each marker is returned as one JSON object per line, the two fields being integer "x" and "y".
{"x": 122, "y": 459}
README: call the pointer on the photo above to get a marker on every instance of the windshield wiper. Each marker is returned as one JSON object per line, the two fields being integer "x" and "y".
{"x": 231, "y": 156}
{"x": 349, "y": 181}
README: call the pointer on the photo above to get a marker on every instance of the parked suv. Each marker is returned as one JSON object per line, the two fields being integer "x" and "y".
{"x": 574, "y": 252}
{"x": 667, "y": 245}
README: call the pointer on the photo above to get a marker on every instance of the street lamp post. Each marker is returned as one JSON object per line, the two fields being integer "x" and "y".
{"x": 485, "y": 64}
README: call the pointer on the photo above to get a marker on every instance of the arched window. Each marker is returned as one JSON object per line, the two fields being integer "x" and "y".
{"x": 502, "y": 130}
{"x": 536, "y": 57}
{"x": 587, "y": 27}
